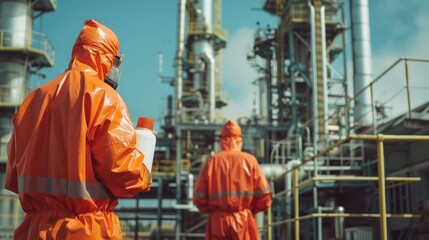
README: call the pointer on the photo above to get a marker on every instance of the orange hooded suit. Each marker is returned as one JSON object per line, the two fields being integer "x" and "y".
{"x": 232, "y": 188}
{"x": 73, "y": 148}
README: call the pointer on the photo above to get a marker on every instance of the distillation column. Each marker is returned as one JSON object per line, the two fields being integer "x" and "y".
{"x": 21, "y": 50}
{"x": 201, "y": 95}
{"x": 202, "y": 47}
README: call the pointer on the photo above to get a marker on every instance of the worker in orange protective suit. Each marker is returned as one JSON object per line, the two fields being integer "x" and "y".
{"x": 73, "y": 152}
{"x": 232, "y": 189}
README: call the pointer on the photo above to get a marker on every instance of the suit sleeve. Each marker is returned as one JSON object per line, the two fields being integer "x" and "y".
{"x": 262, "y": 190}
{"x": 11, "y": 171}
{"x": 201, "y": 197}
{"x": 118, "y": 164}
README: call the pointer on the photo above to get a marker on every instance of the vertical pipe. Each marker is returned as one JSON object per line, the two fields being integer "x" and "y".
{"x": 270, "y": 221}
{"x": 178, "y": 184}
{"x": 296, "y": 201}
{"x": 407, "y": 81}
{"x": 292, "y": 79}
{"x": 324, "y": 71}
{"x": 381, "y": 187}
{"x": 281, "y": 82}
{"x": 339, "y": 224}
{"x": 361, "y": 43}
{"x": 374, "y": 120}
{"x": 136, "y": 228}
{"x": 190, "y": 192}
{"x": 159, "y": 212}
{"x": 179, "y": 57}
{"x": 315, "y": 97}
{"x": 314, "y": 76}
{"x": 269, "y": 87}
{"x": 210, "y": 64}
{"x": 346, "y": 91}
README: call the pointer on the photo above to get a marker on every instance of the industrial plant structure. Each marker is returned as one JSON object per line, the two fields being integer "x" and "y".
{"x": 339, "y": 166}
{"x": 22, "y": 52}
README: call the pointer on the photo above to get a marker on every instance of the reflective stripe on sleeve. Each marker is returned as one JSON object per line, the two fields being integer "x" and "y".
{"x": 70, "y": 188}
{"x": 231, "y": 194}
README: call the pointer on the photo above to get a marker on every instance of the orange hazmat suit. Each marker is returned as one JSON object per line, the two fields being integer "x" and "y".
{"x": 73, "y": 152}
{"x": 231, "y": 188}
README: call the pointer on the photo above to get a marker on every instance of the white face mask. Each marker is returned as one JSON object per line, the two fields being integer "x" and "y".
{"x": 115, "y": 72}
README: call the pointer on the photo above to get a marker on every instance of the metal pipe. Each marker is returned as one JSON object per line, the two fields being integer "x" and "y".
{"x": 270, "y": 221}
{"x": 314, "y": 75}
{"x": 159, "y": 212}
{"x": 374, "y": 120}
{"x": 292, "y": 79}
{"x": 350, "y": 215}
{"x": 179, "y": 57}
{"x": 346, "y": 91}
{"x": 190, "y": 192}
{"x": 381, "y": 188}
{"x": 289, "y": 166}
{"x": 339, "y": 224}
{"x": 211, "y": 80}
{"x": 324, "y": 70}
{"x": 407, "y": 82}
{"x": 315, "y": 96}
{"x": 178, "y": 226}
{"x": 296, "y": 201}
{"x": 361, "y": 43}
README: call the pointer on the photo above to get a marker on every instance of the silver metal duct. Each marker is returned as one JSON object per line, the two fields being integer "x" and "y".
{"x": 361, "y": 43}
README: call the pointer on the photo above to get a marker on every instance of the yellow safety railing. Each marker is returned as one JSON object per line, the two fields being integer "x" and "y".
{"x": 36, "y": 42}
{"x": 371, "y": 88}
{"x": 197, "y": 29}
{"x": 380, "y": 178}
{"x": 168, "y": 167}
{"x": 10, "y": 220}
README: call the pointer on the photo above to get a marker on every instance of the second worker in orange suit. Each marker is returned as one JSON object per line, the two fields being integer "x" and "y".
{"x": 231, "y": 188}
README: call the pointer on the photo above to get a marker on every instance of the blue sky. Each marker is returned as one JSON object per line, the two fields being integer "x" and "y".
{"x": 145, "y": 28}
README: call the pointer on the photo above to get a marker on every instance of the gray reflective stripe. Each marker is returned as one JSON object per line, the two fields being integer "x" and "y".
{"x": 231, "y": 194}
{"x": 70, "y": 188}
{"x": 262, "y": 192}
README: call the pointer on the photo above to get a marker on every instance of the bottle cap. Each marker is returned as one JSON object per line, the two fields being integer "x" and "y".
{"x": 144, "y": 122}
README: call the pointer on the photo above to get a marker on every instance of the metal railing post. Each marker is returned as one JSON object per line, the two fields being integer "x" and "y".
{"x": 374, "y": 117}
{"x": 381, "y": 187}
{"x": 296, "y": 200}
{"x": 407, "y": 84}
{"x": 270, "y": 221}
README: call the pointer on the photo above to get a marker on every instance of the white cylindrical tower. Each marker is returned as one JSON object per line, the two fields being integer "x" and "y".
{"x": 204, "y": 78}
{"x": 362, "y": 70}
{"x": 21, "y": 50}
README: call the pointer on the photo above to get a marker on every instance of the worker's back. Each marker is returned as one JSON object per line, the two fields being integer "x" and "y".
{"x": 231, "y": 184}
{"x": 231, "y": 188}
{"x": 72, "y": 151}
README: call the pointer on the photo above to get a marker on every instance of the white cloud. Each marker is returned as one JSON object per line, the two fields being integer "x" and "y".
{"x": 415, "y": 46}
{"x": 238, "y": 75}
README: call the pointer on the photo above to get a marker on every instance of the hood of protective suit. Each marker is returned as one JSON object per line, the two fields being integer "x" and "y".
{"x": 95, "y": 49}
{"x": 231, "y": 136}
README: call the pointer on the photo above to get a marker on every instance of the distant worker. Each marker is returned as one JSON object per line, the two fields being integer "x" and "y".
{"x": 73, "y": 151}
{"x": 232, "y": 189}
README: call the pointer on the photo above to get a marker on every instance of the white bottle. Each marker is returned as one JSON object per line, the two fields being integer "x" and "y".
{"x": 146, "y": 140}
